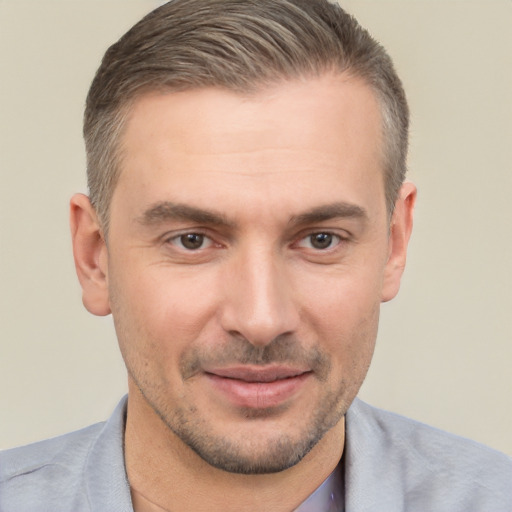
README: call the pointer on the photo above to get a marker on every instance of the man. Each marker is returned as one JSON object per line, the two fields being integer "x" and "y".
{"x": 247, "y": 215}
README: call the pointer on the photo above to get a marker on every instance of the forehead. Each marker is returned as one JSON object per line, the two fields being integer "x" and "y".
{"x": 284, "y": 141}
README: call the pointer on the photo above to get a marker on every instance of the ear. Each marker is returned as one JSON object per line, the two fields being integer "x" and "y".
{"x": 399, "y": 234}
{"x": 91, "y": 256}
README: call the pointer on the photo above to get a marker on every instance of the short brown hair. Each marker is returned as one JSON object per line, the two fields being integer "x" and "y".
{"x": 243, "y": 46}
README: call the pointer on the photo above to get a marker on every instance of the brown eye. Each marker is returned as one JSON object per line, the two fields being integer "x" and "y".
{"x": 321, "y": 240}
{"x": 191, "y": 241}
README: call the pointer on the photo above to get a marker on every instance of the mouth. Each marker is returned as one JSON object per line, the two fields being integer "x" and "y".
{"x": 257, "y": 387}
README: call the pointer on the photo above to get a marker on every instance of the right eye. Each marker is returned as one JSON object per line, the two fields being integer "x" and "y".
{"x": 191, "y": 241}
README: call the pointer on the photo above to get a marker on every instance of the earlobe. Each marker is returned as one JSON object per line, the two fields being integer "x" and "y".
{"x": 400, "y": 233}
{"x": 90, "y": 254}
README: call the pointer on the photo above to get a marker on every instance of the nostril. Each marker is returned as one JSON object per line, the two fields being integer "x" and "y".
{"x": 258, "y": 306}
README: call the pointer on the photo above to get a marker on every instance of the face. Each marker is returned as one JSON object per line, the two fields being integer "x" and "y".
{"x": 249, "y": 251}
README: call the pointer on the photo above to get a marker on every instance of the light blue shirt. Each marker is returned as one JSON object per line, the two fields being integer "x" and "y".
{"x": 329, "y": 497}
{"x": 391, "y": 464}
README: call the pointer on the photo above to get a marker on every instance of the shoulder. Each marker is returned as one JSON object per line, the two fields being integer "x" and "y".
{"x": 426, "y": 444}
{"x": 47, "y": 472}
{"x": 430, "y": 464}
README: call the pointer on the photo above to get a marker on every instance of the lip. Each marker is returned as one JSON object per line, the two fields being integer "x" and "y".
{"x": 257, "y": 387}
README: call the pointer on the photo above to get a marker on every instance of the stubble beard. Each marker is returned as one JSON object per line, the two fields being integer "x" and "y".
{"x": 256, "y": 455}
{"x": 252, "y": 457}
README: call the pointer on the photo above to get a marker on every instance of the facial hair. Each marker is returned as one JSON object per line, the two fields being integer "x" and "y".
{"x": 278, "y": 451}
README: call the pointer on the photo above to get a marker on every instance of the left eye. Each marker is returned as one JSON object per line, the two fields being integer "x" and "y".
{"x": 320, "y": 241}
{"x": 192, "y": 241}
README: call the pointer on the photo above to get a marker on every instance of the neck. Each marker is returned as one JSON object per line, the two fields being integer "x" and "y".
{"x": 171, "y": 475}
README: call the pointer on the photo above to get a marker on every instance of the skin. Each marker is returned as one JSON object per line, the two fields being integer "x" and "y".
{"x": 289, "y": 253}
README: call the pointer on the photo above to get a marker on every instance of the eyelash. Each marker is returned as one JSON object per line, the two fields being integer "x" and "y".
{"x": 178, "y": 239}
{"x": 334, "y": 239}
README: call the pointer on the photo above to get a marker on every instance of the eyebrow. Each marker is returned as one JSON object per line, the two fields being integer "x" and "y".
{"x": 330, "y": 211}
{"x": 168, "y": 211}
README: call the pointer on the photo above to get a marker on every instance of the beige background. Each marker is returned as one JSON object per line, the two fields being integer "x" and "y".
{"x": 444, "y": 351}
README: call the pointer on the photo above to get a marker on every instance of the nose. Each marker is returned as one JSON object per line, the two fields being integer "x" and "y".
{"x": 258, "y": 304}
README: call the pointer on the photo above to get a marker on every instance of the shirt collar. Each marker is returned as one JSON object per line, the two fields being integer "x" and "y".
{"x": 329, "y": 497}
{"x": 108, "y": 487}
{"x": 104, "y": 472}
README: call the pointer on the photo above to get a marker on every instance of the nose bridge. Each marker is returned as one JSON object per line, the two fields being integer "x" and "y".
{"x": 259, "y": 305}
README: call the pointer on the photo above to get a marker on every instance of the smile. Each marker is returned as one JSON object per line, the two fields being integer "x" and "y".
{"x": 257, "y": 388}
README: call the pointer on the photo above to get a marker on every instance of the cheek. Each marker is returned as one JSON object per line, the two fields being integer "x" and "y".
{"x": 345, "y": 296}
{"x": 159, "y": 311}
{"x": 343, "y": 313}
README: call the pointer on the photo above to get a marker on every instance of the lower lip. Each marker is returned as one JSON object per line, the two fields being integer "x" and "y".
{"x": 258, "y": 395}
